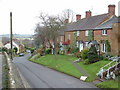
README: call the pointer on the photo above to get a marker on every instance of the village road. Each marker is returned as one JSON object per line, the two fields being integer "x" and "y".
{"x": 39, "y": 76}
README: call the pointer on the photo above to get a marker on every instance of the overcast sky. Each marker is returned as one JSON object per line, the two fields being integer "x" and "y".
{"x": 25, "y": 12}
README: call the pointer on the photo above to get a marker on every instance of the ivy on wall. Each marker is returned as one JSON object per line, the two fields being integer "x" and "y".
{"x": 108, "y": 47}
{"x": 90, "y": 35}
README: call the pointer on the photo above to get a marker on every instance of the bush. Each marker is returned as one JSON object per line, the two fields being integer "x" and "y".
{"x": 84, "y": 54}
{"x": 47, "y": 51}
{"x": 92, "y": 54}
{"x": 58, "y": 51}
{"x": 4, "y": 49}
{"x": 101, "y": 57}
{"x": 15, "y": 49}
{"x": 78, "y": 54}
{"x": 62, "y": 52}
{"x": 86, "y": 61}
{"x": 35, "y": 57}
{"x": 32, "y": 50}
{"x": 74, "y": 50}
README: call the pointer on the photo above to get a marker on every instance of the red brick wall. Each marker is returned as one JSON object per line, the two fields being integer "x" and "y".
{"x": 98, "y": 36}
{"x": 99, "y": 32}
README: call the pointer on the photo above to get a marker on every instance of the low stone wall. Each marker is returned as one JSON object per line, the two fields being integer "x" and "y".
{"x": 14, "y": 76}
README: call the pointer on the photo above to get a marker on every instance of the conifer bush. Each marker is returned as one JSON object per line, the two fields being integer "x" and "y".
{"x": 92, "y": 54}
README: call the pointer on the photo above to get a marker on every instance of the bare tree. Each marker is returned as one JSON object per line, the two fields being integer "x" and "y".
{"x": 40, "y": 36}
{"x": 48, "y": 30}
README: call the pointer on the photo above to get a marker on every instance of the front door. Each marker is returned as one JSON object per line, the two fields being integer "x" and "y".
{"x": 81, "y": 47}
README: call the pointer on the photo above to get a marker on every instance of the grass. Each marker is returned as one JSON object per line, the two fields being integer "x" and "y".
{"x": 109, "y": 84}
{"x": 60, "y": 62}
{"x": 93, "y": 69}
{"x": 113, "y": 63}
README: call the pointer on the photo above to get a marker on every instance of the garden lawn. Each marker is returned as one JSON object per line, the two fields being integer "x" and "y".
{"x": 59, "y": 62}
{"x": 93, "y": 69}
{"x": 109, "y": 84}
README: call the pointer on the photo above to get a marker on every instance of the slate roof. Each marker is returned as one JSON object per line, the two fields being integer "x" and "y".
{"x": 108, "y": 24}
{"x": 87, "y": 23}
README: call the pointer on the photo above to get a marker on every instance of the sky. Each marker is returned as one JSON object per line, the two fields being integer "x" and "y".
{"x": 26, "y": 12}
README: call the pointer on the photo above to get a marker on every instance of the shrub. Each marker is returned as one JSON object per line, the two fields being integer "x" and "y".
{"x": 84, "y": 54}
{"x": 74, "y": 50}
{"x": 32, "y": 50}
{"x": 62, "y": 52}
{"x": 47, "y": 51}
{"x": 58, "y": 51}
{"x": 15, "y": 49}
{"x": 4, "y": 49}
{"x": 78, "y": 54}
{"x": 92, "y": 54}
{"x": 86, "y": 61}
{"x": 101, "y": 57}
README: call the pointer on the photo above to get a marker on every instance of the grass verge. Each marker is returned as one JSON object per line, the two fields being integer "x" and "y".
{"x": 109, "y": 84}
{"x": 93, "y": 69}
{"x": 60, "y": 63}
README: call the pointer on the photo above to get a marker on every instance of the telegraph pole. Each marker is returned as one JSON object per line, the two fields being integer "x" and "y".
{"x": 11, "y": 33}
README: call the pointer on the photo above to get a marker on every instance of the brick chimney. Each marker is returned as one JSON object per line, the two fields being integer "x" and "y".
{"x": 88, "y": 13}
{"x": 78, "y": 17}
{"x": 111, "y": 10}
{"x": 66, "y": 21}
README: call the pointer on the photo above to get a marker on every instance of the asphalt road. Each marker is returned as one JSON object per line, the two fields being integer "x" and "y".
{"x": 39, "y": 76}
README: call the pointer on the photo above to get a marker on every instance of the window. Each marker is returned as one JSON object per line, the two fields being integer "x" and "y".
{"x": 86, "y": 44}
{"x": 104, "y": 32}
{"x": 103, "y": 47}
{"x": 86, "y": 33}
{"x": 77, "y": 43}
{"x": 78, "y": 33}
{"x": 68, "y": 36}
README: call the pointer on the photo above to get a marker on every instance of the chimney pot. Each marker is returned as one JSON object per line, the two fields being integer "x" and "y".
{"x": 88, "y": 14}
{"x": 111, "y": 10}
{"x": 78, "y": 17}
{"x": 66, "y": 20}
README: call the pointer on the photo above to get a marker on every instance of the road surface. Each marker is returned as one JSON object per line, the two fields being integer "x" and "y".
{"x": 39, "y": 76}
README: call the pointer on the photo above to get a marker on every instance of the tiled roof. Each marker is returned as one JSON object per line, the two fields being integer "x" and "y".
{"x": 108, "y": 24}
{"x": 87, "y": 23}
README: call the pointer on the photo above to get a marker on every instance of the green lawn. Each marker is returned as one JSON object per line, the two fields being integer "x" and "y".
{"x": 60, "y": 63}
{"x": 93, "y": 69}
{"x": 109, "y": 84}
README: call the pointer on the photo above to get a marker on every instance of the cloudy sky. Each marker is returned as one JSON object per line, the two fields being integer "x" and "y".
{"x": 26, "y": 12}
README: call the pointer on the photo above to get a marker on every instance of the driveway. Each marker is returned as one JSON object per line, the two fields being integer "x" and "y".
{"x": 39, "y": 76}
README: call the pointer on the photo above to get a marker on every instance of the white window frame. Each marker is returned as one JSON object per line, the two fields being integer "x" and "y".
{"x": 86, "y": 44}
{"x": 103, "y": 47}
{"x": 104, "y": 32}
{"x": 77, "y": 43}
{"x": 78, "y": 33}
{"x": 68, "y": 36}
{"x": 86, "y": 32}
